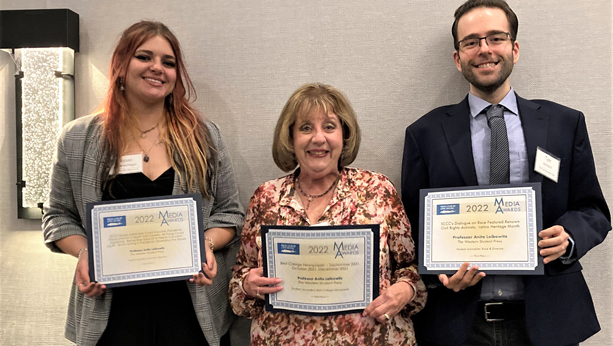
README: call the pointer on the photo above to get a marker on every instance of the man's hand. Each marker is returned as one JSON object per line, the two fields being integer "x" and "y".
{"x": 463, "y": 278}
{"x": 554, "y": 243}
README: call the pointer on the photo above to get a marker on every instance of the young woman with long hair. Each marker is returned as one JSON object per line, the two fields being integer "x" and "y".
{"x": 146, "y": 120}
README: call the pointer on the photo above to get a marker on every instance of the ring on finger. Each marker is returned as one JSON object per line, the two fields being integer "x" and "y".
{"x": 387, "y": 317}
{"x": 258, "y": 292}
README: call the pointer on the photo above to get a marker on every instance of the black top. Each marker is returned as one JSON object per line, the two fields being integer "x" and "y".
{"x": 149, "y": 314}
{"x": 138, "y": 185}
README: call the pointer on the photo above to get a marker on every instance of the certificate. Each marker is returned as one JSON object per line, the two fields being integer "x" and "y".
{"x": 325, "y": 269}
{"x": 493, "y": 227}
{"x": 136, "y": 241}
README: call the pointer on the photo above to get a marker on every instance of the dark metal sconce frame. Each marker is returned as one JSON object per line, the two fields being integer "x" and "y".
{"x": 34, "y": 29}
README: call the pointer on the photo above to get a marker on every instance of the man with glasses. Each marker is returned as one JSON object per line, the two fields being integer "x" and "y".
{"x": 493, "y": 137}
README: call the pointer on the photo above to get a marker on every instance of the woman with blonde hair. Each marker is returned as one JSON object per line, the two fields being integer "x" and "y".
{"x": 147, "y": 118}
{"x": 318, "y": 132}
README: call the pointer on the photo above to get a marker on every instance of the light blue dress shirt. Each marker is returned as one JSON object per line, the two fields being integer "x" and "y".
{"x": 499, "y": 287}
{"x": 480, "y": 136}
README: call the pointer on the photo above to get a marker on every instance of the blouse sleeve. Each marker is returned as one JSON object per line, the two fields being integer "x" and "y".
{"x": 401, "y": 246}
{"x": 247, "y": 258}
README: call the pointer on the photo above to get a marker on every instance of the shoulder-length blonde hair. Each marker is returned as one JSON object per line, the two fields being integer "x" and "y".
{"x": 189, "y": 145}
{"x": 307, "y": 98}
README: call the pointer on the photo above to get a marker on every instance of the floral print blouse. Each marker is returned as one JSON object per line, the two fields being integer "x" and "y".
{"x": 361, "y": 197}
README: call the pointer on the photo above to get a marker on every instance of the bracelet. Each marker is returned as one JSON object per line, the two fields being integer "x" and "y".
{"x": 240, "y": 285}
{"x": 212, "y": 245}
{"x": 81, "y": 251}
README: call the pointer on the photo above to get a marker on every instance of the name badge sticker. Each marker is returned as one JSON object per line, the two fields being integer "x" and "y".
{"x": 547, "y": 164}
{"x": 131, "y": 164}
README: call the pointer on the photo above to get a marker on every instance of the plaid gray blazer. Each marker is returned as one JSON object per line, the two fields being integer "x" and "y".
{"x": 74, "y": 183}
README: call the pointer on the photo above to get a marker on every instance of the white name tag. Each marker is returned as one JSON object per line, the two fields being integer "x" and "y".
{"x": 547, "y": 164}
{"x": 131, "y": 164}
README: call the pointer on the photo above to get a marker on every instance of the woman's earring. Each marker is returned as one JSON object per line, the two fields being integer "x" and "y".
{"x": 122, "y": 88}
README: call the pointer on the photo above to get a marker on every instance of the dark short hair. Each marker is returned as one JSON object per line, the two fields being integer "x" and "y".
{"x": 472, "y": 4}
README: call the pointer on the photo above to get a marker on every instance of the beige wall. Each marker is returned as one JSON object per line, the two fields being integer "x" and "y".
{"x": 391, "y": 58}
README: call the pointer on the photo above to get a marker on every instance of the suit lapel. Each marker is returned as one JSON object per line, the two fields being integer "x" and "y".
{"x": 457, "y": 132}
{"x": 534, "y": 123}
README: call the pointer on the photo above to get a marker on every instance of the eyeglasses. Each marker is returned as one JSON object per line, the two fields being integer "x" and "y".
{"x": 492, "y": 40}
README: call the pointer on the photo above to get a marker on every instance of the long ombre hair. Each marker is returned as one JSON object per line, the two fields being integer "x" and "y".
{"x": 187, "y": 139}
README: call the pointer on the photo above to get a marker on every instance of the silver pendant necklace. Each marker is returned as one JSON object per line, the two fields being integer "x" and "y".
{"x": 146, "y": 153}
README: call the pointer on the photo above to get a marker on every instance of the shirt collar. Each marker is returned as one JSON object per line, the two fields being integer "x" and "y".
{"x": 477, "y": 105}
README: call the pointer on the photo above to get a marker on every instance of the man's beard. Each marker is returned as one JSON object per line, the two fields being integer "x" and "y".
{"x": 492, "y": 86}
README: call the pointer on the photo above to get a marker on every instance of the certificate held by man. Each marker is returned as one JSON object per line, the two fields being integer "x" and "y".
{"x": 493, "y": 227}
{"x": 146, "y": 240}
{"x": 325, "y": 269}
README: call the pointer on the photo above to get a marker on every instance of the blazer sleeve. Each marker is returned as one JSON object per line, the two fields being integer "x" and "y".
{"x": 414, "y": 178}
{"x": 587, "y": 218}
{"x": 227, "y": 210}
{"x": 61, "y": 216}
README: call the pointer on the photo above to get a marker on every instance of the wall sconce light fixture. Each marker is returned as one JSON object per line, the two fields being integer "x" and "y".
{"x": 42, "y": 44}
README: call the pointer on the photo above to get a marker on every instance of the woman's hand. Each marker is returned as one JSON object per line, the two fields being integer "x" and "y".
{"x": 209, "y": 270}
{"x": 86, "y": 287}
{"x": 256, "y": 285}
{"x": 389, "y": 303}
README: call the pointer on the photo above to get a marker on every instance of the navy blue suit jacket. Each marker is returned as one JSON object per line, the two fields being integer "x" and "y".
{"x": 438, "y": 153}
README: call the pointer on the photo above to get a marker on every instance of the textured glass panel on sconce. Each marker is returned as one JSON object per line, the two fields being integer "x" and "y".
{"x": 41, "y": 119}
